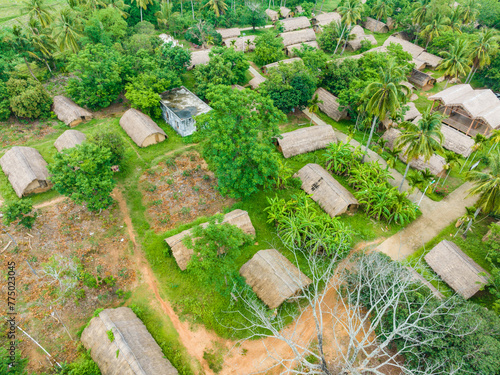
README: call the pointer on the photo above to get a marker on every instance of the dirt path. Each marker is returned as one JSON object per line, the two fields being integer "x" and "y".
{"x": 50, "y": 202}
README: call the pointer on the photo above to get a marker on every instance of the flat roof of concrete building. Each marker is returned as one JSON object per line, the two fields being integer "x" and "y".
{"x": 184, "y": 103}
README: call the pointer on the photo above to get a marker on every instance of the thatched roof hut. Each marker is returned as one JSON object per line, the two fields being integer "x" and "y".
{"x": 412, "y": 113}
{"x": 299, "y": 9}
{"x": 273, "y": 277}
{"x": 229, "y": 33}
{"x": 256, "y": 81}
{"x": 375, "y": 26}
{"x": 326, "y": 190}
{"x": 355, "y": 44}
{"x": 457, "y": 269}
{"x": 298, "y": 36}
{"x": 240, "y": 43}
{"x": 408, "y": 85}
{"x": 132, "y": 351}
{"x": 69, "y": 139}
{"x": 431, "y": 61}
{"x": 330, "y": 105}
{"x": 26, "y": 170}
{"x": 285, "y": 12}
{"x": 421, "y": 79}
{"x": 297, "y": 23}
{"x": 402, "y": 35}
{"x": 391, "y": 23}
{"x": 183, "y": 255}
{"x": 325, "y": 19}
{"x": 143, "y": 131}
{"x": 435, "y": 164}
{"x": 199, "y": 58}
{"x": 409, "y": 47}
{"x": 266, "y": 68}
{"x": 272, "y": 14}
{"x": 69, "y": 112}
{"x": 289, "y": 50}
{"x": 305, "y": 140}
{"x": 456, "y": 141}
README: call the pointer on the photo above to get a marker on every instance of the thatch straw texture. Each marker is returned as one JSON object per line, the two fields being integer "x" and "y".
{"x": 305, "y": 140}
{"x": 199, "y": 58}
{"x": 418, "y": 277}
{"x": 421, "y": 79}
{"x": 457, "y": 269}
{"x": 375, "y": 26}
{"x": 355, "y": 44}
{"x": 408, "y": 85}
{"x": 183, "y": 255}
{"x": 69, "y": 112}
{"x": 241, "y": 43}
{"x": 402, "y": 35}
{"x": 291, "y": 24}
{"x": 326, "y": 18}
{"x": 143, "y": 131}
{"x": 411, "y": 48}
{"x": 273, "y": 277}
{"x": 272, "y": 14}
{"x": 330, "y": 105}
{"x": 133, "y": 350}
{"x": 26, "y": 170}
{"x": 326, "y": 190}
{"x": 431, "y": 61}
{"x": 391, "y": 24}
{"x": 266, "y": 68}
{"x": 435, "y": 164}
{"x": 289, "y": 49}
{"x": 69, "y": 139}
{"x": 412, "y": 113}
{"x": 299, "y": 9}
{"x": 256, "y": 81}
{"x": 299, "y": 36}
{"x": 456, "y": 141}
{"x": 229, "y": 33}
{"x": 285, "y": 12}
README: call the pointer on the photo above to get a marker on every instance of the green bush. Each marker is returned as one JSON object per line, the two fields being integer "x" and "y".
{"x": 4, "y": 102}
{"x": 5, "y": 361}
{"x": 111, "y": 141}
{"x": 20, "y": 211}
{"x": 28, "y": 98}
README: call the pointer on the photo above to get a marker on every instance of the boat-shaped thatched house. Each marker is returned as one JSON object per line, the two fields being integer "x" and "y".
{"x": 457, "y": 269}
{"x": 286, "y": 12}
{"x": 273, "y": 277}
{"x": 120, "y": 344}
{"x": 330, "y": 105}
{"x": 199, "y": 58}
{"x": 298, "y": 36}
{"x": 241, "y": 44}
{"x": 229, "y": 33}
{"x": 456, "y": 141}
{"x": 69, "y": 139}
{"x": 272, "y": 14}
{"x": 421, "y": 79}
{"x": 69, "y": 112}
{"x": 289, "y": 50}
{"x": 305, "y": 140}
{"x": 325, "y": 19}
{"x": 26, "y": 170}
{"x": 375, "y": 26}
{"x": 266, "y": 68}
{"x": 143, "y": 131}
{"x": 326, "y": 190}
{"x": 296, "y": 23}
{"x": 409, "y": 47}
{"x": 431, "y": 61}
{"x": 256, "y": 81}
{"x": 355, "y": 44}
{"x": 183, "y": 255}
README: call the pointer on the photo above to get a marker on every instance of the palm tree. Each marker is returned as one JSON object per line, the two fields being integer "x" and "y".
{"x": 248, "y": 42}
{"x": 455, "y": 62}
{"x": 143, "y": 4}
{"x": 118, "y": 5}
{"x": 470, "y": 9}
{"x": 451, "y": 160}
{"x": 421, "y": 139}
{"x": 383, "y": 97}
{"x": 165, "y": 13}
{"x": 313, "y": 106}
{"x": 37, "y": 9}
{"x": 419, "y": 14}
{"x": 479, "y": 140}
{"x": 351, "y": 11}
{"x": 485, "y": 46}
{"x": 22, "y": 45}
{"x": 487, "y": 185}
{"x": 435, "y": 27}
{"x": 494, "y": 139}
{"x": 383, "y": 9}
{"x": 456, "y": 20}
{"x": 66, "y": 31}
{"x": 41, "y": 41}
{"x": 218, "y": 6}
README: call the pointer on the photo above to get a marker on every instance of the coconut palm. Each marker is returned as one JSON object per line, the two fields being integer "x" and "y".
{"x": 94, "y": 4}
{"x": 313, "y": 106}
{"x": 22, "y": 45}
{"x": 437, "y": 25}
{"x": 451, "y": 160}
{"x": 470, "y": 9}
{"x": 118, "y": 5}
{"x": 455, "y": 62}
{"x": 218, "y": 6}
{"x": 479, "y": 140}
{"x": 494, "y": 139}
{"x": 37, "y": 9}
{"x": 383, "y": 9}
{"x": 419, "y": 14}
{"x": 487, "y": 186}
{"x": 456, "y": 20}
{"x": 165, "y": 13}
{"x": 422, "y": 139}
{"x": 41, "y": 41}
{"x": 384, "y": 97}
{"x": 248, "y": 42}
{"x": 66, "y": 31}
{"x": 351, "y": 11}
{"x": 143, "y": 4}
{"x": 483, "y": 48}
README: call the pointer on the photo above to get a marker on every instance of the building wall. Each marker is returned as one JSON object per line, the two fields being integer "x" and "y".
{"x": 153, "y": 139}
{"x": 184, "y": 127}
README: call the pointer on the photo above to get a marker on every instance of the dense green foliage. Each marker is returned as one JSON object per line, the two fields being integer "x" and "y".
{"x": 28, "y": 98}
{"x": 203, "y": 34}
{"x": 4, "y": 102}
{"x": 268, "y": 48}
{"x": 5, "y": 361}
{"x": 20, "y": 211}
{"x": 112, "y": 141}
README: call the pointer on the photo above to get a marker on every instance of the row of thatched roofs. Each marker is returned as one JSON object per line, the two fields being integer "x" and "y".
{"x": 27, "y": 170}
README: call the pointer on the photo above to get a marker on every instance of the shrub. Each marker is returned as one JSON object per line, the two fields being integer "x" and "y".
{"x": 111, "y": 141}
{"x": 20, "y": 211}
{"x": 28, "y": 98}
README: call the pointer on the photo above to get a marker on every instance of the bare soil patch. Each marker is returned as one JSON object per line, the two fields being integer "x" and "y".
{"x": 15, "y": 132}
{"x": 180, "y": 190}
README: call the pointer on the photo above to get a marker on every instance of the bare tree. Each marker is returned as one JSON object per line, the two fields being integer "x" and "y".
{"x": 354, "y": 307}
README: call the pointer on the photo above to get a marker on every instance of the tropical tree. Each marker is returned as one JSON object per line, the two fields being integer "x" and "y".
{"x": 165, "y": 13}
{"x": 118, "y": 5}
{"x": 37, "y": 9}
{"x": 487, "y": 185}
{"x": 248, "y": 42}
{"x": 41, "y": 42}
{"x": 67, "y": 31}
{"x": 419, "y": 14}
{"x": 313, "y": 106}
{"x": 494, "y": 139}
{"x": 22, "y": 45}
{"x": 456, "y": 20}
{"x": 483, "y": 48}
{"x": 383, "y": 9}
{"x": 470, "y": 10}
{"x": 421, "y": 139}
{"x": 218, "y": 6}
{"x": 455, "y": 62}
{"x": 351, "y": 11}
{"x": 143, "y": 4}
{"x": 452, "y": 159}
{"x": 435, "y": 27}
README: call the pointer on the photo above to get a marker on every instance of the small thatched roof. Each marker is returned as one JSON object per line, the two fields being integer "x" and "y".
{"x": 266, "y": 68}
{"x": 355, "y": 44}
{"x": 229, "y": 33}
{"x": 69, "y": 112}
{"x": 326, "y": 190}
{"x": 457, "y": 269}
{"x": 305, "y": 140}
{"x": 391, "y": 24}
{"x": 409, "y": 47}
{"x": 326, "y": 18}
{"x": 199, "y": 58}
{"x": 272, "y": 14}
{"x": 69, "y": 139}
{"x": 375, "y": 26}
{"x": 299, "y": 9}
{"x": 419, "y": 64}
{"x": 435, "y": 164}
{"x": 421, "y": 79}
{"x": 183, "y": 255}
{"x": 431, "y": 61}
{"x": 289, "y": 49}
{"x": 418, "y": 277}
{"x": 299, "y": 36}
{"x": 237, "y": 87}
{"x": 456, "y": 141}
{"x": 256, "y": 81}
{"x": 141, "y": 128}
{"x": 412, "y": 113}
{"x": 26, "y": 170}
{"x": 285, "y": 12}
{"x": 357, "y": 31}
{"x": 241, "y": 43}
{"x": 273, "y": 277}
{"x": 330, "y": 105}
{"x": 402, "y": 35}
{"x": 408, "y": 85}
{"x": 133, "y": 350}
{"x": 297, "y": 23}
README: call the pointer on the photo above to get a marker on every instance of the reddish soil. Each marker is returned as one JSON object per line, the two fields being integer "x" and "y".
{"x": 179, "y": 191}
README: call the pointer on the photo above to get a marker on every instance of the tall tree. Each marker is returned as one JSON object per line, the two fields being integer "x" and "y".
{"x": 37, "y": 9}
{"x": 487, "y": 185}
{"x": 67, "y": 31}
{"x": 455, "y": 62}
{"x": 143, "y": 4}
{"x": 351, "y": 11}
{"x": 218, "y": 6}
{"x": 164, "y": 15}
{"x": 382, "y": 9}
{"x": 422, "y": 139}
{"x": 483, "y": 48}
{"x": 470, "y": 10}
{"x": 419, "y": 14}
{"x": 313, "y": 106}
{"x": 21, "y": 43}
{"x": 435, "y": 27}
